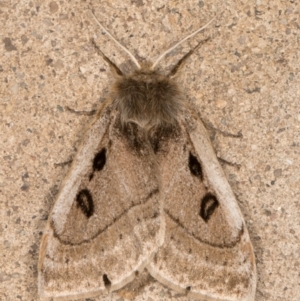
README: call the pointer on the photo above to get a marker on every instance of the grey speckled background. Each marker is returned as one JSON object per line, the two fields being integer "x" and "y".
{"x": 246, "y": 78}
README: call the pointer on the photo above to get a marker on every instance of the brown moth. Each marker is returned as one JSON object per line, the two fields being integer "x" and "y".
{"x": 146, "y": 193}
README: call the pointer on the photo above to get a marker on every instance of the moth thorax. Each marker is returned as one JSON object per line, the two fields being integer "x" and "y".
{"x": 147, "y": 98}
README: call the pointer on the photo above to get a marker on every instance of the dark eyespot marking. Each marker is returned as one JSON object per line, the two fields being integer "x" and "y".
{"x": 188, "y": 288}
{"x": 106, "y": 281}
{"x": 195, "y": 166}
{"x": 99, "y": 160}
{"x": 85, "y": 201}
{"x": 208, "y": 205}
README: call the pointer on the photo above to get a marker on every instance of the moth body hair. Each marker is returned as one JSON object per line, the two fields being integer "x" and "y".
{"x": 148, "y": 99}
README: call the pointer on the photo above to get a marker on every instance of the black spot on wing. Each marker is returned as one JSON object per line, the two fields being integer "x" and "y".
{"x": 208, "y": 205}
{"x": 85, "y": 202}
{"x": 98, "y": 162}
{"x": 195, "y": 166}
{"x": 106, "y": 281}
{"x": 84, "y": 193}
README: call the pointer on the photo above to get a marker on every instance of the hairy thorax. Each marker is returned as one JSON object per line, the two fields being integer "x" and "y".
{"x": 147, "y": 98}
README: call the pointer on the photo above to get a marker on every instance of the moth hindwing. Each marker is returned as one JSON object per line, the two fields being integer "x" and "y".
{"x": 146, "y": 194}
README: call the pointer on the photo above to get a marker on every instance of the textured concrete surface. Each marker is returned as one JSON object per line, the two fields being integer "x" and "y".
{"x": 246, "y": 78}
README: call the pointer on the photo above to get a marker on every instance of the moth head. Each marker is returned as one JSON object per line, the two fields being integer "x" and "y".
{"x": 147, "y": 97}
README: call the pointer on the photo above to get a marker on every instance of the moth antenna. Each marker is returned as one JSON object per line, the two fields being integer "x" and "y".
{"x": 112, "y": 65}
{"x": 118, "y": 43}
{"x": 180, "y": 42}
{"x": 184, "y": 58}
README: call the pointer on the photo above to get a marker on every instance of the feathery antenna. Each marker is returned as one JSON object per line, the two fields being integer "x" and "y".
{"x": 118, "y": 43}
{"x": 180, "y": 42}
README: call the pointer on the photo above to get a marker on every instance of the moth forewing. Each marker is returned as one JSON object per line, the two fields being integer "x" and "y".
{"x": 146, "y": 192}
{"x": 82, "y": 251}
{"x": 207, "y": 251}
{"x": 215, "y": 173}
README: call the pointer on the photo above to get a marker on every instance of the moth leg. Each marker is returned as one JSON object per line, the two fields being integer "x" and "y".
{"x": 237, "y": 165}
{"x": 208, "y": 125}
{"x": 63, "y": 164}
{"x": 86, "y": 113}
{"x": 181, "y": 62}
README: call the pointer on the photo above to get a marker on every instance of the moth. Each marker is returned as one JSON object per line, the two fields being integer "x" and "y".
{"x": 146, "y": 193}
